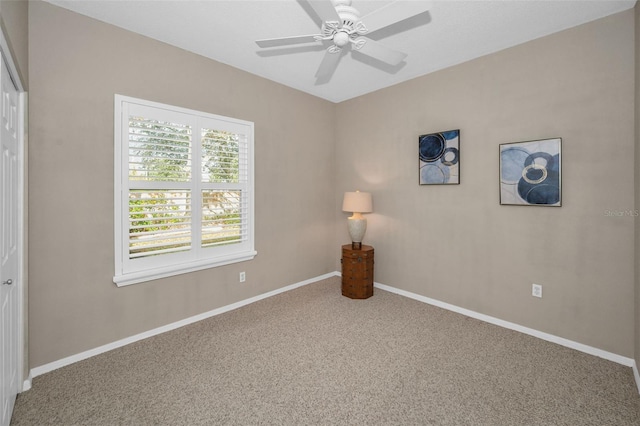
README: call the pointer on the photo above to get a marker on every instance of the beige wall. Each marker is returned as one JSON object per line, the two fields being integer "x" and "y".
{"x": 451, "y": 243}
{"x": 76, "y": 66}
{"x": 456, "y": 243}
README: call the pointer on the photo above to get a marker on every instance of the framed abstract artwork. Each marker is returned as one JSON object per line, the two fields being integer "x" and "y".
{"x": 531, "y": 173}
{"x": 439, "y": 158}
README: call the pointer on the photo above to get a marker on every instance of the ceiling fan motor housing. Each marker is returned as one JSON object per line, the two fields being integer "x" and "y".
{"x": 348, "y": 14}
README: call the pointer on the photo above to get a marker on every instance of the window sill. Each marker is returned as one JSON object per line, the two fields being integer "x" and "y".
{"x": 169, "y": 271}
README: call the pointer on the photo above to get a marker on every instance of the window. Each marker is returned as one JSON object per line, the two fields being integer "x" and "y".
{"x": 183, "y": 190}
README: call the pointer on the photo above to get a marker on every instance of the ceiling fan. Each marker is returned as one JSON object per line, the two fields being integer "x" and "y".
{"x": 343, "y": 27}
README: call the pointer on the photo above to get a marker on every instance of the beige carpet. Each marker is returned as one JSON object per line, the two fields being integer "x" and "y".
{"x": 311, "y": 356}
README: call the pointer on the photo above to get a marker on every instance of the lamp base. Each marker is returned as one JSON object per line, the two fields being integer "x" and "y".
{"x": 357, "y": 228}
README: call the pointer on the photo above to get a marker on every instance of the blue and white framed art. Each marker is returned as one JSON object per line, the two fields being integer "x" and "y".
{"x": 439, "y": 158}
{"x": 531, "y": 173}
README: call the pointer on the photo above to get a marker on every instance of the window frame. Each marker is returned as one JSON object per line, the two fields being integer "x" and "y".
{"x": 131, "y": 271}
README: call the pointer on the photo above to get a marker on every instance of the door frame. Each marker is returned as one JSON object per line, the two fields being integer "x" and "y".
{"x": 5, "y": 52}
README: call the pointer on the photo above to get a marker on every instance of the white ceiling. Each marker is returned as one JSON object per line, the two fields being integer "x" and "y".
{"x": 451, "y": 32}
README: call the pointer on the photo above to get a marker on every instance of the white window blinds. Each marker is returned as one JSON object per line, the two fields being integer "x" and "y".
{"x": 170, "y": 218}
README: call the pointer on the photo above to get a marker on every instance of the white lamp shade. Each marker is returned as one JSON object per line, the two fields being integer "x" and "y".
{"x": 357, "y": 202}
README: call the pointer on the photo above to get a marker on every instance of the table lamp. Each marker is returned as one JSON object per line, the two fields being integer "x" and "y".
{"x": 357, "y": 203}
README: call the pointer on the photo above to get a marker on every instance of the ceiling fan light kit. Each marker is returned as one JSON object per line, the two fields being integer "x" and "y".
{"x": 343, "y": 27}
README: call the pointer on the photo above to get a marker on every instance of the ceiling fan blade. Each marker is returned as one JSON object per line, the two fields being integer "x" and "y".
{"x": 378, "y": 51}
{"x": 328, "y": 65}
{"x": 285, "y": 41}
{"x": 325, "y": 10}
{"x": 394, "y": 12}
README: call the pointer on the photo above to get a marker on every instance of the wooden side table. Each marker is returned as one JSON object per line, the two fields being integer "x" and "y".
{"x": 357, "y": 272}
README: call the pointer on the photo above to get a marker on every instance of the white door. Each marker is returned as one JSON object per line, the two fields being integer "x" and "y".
{"x": 9, "y": 270}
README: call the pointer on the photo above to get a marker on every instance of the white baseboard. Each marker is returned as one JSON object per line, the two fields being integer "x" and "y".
{"x": 26, "y": 385}
{"x": 37, "y": 371}
{"x": 629, "y": 362}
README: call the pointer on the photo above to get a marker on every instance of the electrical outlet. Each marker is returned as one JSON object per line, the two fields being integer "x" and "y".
{"x": 536, "y": 290}
{"x": 242, "y": 277}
